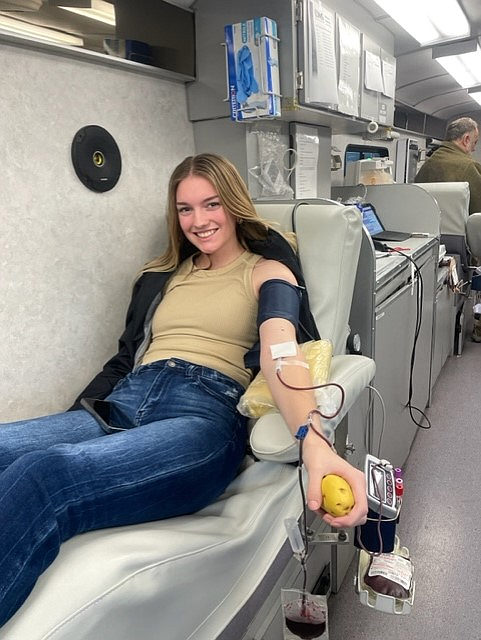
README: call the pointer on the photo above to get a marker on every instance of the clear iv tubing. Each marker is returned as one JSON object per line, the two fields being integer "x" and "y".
{"x": 294, "y": 535}
{"x": 299, "y": 542}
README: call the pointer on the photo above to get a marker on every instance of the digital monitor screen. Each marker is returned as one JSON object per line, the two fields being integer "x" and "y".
{"x": 370, "y": 219}
{"x": 379, "y": 485}
{"x": 352, "y": 156}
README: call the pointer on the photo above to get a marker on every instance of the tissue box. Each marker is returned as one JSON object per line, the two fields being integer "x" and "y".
{"x": 253, "y": 69}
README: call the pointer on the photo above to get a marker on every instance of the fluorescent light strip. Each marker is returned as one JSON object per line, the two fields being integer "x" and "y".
{"x": 99, "y": 10}
{"x": 428, "y": 21}
{"x": 464, "y": 68}
{"x": 475, "y": 93}
{"x": 476, "y": 96}
{"x": 33, "y": 31}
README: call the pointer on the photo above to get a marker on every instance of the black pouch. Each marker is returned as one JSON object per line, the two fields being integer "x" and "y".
{"x": 372, "y": 530}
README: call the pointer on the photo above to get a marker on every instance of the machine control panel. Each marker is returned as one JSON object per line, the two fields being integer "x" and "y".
{"x": 381, "y": 492}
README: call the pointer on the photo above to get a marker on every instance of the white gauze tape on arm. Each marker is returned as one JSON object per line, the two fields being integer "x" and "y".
{"x": 283, "y": 350}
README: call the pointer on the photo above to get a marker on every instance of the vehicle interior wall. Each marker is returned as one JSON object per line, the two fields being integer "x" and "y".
{"x": 69, "y": 254}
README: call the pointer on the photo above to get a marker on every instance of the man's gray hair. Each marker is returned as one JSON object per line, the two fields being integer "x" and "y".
{"x": 457, "y": 128}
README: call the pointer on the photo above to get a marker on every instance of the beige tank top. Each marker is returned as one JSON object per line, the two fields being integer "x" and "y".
{"x": 208, "y": 317}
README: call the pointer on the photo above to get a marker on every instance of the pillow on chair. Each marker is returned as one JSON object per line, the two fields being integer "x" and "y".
{"x": 257, "y": 399}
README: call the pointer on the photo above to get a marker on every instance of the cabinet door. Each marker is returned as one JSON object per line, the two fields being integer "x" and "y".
{"x": 395, "y": 336}
{"x": 316, "y": 55}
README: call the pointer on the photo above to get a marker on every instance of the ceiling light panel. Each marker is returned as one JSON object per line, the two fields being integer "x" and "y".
{"x": 476, "y": 96}
{"x": 428, "y": 21}
{"x": 464, "y": 68}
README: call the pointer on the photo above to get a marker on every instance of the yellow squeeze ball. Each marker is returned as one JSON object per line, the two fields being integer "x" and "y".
{"x": 337, "y": 497}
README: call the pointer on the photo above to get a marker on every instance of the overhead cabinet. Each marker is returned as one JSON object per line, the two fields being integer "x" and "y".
{"x": 333, "y": 61}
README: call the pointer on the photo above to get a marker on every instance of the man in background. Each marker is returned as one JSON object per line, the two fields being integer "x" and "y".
{"x": 452, "y": 161}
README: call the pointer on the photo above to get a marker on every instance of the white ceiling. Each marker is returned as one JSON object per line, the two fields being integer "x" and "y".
{"x": 421, "y": 82}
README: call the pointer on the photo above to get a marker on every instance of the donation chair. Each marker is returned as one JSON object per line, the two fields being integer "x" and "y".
{"x": 205, "y": 576}
{"x": 452, "y": 199}
{"x": 461, "y": 235}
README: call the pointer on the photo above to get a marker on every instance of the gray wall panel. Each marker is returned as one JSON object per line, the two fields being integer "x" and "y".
{"x": 68, "y": 255}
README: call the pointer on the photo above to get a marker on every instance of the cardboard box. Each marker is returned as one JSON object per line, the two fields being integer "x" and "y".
{"x": 253, "y": 69}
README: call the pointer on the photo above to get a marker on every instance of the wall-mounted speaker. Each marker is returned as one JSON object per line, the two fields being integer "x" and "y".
{"x": 96, "y": 158}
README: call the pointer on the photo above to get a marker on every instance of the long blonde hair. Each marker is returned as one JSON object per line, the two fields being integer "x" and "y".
{"x": 235, "y": 199}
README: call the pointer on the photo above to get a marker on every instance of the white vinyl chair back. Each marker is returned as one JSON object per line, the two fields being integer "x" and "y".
{"x": 329, "y": 240}
{"x": 453, "y": 202}
{"x": 452, "y": 199}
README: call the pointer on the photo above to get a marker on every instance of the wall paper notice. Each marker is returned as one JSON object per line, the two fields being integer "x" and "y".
{"x": 321, "y": 70}
{"x": 306, "y": 167}
{"x": 373, "y": 72}
{"x": 349, "y": 67}
{"x": 388, "y": 67}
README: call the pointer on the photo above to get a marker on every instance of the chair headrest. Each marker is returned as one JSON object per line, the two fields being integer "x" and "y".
{"x": 453, "y": 201}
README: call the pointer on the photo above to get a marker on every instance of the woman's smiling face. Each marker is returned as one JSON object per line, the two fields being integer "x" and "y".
{"x": 204, "y": 221}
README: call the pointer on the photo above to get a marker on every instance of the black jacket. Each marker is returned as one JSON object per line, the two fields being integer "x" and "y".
{"x": 146, "y": 295}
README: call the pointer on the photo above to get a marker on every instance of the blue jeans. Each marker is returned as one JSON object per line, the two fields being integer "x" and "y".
{"x": 62, "y": 475}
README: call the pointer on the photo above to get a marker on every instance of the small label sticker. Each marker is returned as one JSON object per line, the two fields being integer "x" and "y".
{"x": 283, "y": 350}
{"x": 393, "y": 567}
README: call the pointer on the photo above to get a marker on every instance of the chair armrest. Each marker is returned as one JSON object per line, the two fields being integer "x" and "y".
{"x": 270, "y": 438}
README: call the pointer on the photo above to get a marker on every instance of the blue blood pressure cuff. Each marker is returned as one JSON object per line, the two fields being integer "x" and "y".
{"x": 279, "y": 299}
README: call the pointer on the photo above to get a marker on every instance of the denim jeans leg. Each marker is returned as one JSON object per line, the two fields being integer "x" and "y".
{"x": 24, "y": 436}
{"x": 169, "y": 466}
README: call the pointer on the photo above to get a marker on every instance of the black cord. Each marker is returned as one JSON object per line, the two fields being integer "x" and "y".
{"x": 419, "y": 316}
